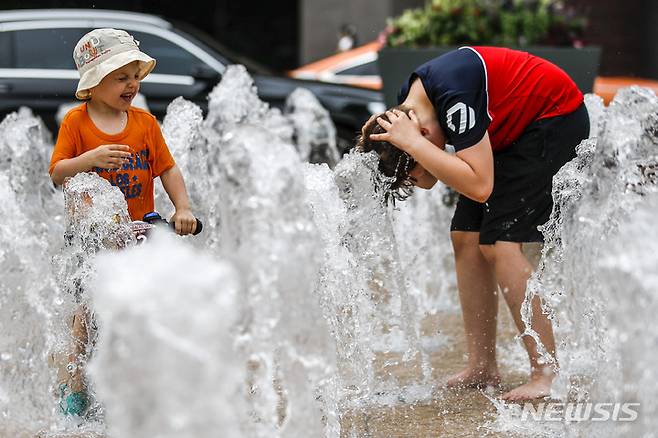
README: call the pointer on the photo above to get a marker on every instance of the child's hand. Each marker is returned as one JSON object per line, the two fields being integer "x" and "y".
{"x": 109, "y": 156}
{"x": 184, "y": 221}
{"x": 402, "y": 130}
{"x": 363, "y": 128}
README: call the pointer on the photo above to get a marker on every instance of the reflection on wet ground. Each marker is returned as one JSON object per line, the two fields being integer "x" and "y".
{"x": 451, "y": 413}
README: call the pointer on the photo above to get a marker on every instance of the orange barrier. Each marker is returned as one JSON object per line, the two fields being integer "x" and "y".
{"x": 607, "y": 86}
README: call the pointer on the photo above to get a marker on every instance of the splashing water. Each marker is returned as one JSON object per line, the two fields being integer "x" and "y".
{"x": 25, "y": 147}
{"x": 369, "y": 237}
{"x": 628, "y": 272}
{"x": 28, "y": 294}
{"x": 269, "y": 231}
{"x": 315, "y": 134}
{"x": 25, "y": 319}
{"x": 587, "y": 236}
{"x": 260, "y": 221}
{"x": 275, "y": 321}
{"x": 166, "y": 332}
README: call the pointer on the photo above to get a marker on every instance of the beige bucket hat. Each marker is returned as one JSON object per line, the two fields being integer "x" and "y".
{"x": 102, "y": 51}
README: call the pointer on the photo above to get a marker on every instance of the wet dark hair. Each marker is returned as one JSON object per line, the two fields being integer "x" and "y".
{"x": 394, "y": 163}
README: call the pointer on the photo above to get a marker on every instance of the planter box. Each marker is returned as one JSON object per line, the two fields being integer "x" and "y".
{"x": 396, "y": 64}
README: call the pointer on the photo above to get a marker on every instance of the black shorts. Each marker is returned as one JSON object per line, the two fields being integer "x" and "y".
{"x": 523, "y": 174}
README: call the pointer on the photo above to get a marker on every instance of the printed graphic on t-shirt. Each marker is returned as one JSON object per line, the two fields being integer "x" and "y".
{"x": 465, "y": 116}
{"x": 130, "y": 176}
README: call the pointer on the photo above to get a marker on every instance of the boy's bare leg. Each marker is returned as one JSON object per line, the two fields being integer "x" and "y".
{"x": 80, "y": 334}
{"x": 512, "y": 270}
{"x": 479, "y": 302}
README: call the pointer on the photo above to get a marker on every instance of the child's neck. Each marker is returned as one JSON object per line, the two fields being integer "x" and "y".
{"x": 109, "y": 120}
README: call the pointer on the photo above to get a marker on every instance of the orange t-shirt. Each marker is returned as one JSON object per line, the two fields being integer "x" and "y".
{"x": 150, "y": 154}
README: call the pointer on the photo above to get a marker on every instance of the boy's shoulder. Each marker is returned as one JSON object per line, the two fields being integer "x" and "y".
{"x": 142, "y": 115}
{"x": 75, "y": 114}
{"x": 453, "y": 65}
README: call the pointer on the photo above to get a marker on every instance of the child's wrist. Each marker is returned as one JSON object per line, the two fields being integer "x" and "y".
{"x": 87, "y": 161}
{"x": 414, "y": 146}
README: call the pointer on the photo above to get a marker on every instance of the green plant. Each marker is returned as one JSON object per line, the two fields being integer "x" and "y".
{"x": 492, "y": 22}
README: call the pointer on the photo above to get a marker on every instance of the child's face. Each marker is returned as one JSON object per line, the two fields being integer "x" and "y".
{"x": 118, "y": 89}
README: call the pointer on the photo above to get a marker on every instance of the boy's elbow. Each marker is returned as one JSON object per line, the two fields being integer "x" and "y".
{"x": 483, "y": 193}
{"x": 55, "y": 178}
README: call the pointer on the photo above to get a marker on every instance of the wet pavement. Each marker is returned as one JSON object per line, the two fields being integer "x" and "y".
{"x": 450, "y": 413}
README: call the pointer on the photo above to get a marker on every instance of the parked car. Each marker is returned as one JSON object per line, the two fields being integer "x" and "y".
{"x": 358, "y": 67}
{"x": 37, "y": 69}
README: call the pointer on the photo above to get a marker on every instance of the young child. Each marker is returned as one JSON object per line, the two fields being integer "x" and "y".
{"x": 121, "y": 143}
{"x": 108, "y": 136}
{"x": 513, "y": 119}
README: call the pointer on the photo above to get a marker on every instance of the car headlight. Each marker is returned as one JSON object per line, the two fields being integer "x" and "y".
{"x": 376, "y": 107}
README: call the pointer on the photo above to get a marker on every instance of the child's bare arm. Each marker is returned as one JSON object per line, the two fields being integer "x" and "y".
{"x": 107, "y": 156}
{"x": 174, "y": 185}
{"x": 469, "y": 171}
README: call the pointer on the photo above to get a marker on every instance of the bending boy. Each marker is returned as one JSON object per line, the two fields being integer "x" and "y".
{"x": 513, "y": 119}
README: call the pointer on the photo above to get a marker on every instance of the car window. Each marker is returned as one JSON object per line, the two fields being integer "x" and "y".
{"x": 46, "y": 48}
{"x": 5, "y": 50}
{"x": 171, "y": 58}
{"x": 367, "y": 69}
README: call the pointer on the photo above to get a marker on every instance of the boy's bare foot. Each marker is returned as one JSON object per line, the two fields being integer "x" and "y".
{"x": 539, "y": 386}
{"x": 474, "y": 378}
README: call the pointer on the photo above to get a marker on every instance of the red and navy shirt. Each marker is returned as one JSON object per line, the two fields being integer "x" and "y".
{"x": 502, "y": 91}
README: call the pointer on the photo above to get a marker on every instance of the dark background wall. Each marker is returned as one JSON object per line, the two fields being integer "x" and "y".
{"x": 626, "y": 29}
{"x": 321, "y": 21}
{"x": 650, "y": 68}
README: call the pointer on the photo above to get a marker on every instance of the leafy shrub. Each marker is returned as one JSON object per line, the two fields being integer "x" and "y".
{"x": 488, "y": 22}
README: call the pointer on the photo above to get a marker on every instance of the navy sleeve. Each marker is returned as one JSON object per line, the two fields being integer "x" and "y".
{"x": 456, "y": 83}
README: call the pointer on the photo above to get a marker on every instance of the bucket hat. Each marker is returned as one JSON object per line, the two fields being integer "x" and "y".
{"x": 102, "y": 51}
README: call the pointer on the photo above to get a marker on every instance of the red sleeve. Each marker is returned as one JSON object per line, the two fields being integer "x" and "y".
{"x": 162, "y": 159}
{"x": 65, "y": 147}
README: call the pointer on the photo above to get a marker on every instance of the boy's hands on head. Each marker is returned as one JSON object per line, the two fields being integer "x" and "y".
{"x": 184, "y": 221}
{"x": 363, "y": 128}
{"x": 108, "y": 156}
{"x": 401, "y": 130}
